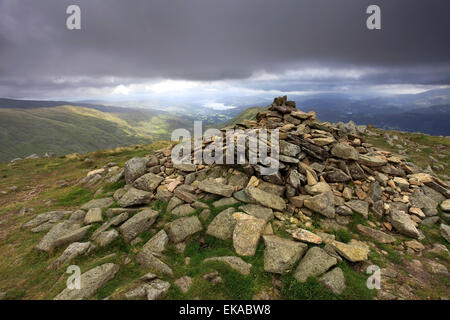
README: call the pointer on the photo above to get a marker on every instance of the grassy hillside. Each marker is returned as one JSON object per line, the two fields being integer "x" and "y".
{"x": 67, "y": 129}
{"x": 247, "y": 114}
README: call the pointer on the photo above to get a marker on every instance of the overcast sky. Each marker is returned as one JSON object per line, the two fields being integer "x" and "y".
{"x": 214, "y": 49}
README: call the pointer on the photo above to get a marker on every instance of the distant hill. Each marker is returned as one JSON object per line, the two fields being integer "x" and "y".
{"x": 28, "y": 127}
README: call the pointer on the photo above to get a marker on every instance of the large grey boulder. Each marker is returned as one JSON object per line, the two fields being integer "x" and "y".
{"x": 246, "y": 233}
{"x": 182, "y": 228}
{"x": 359, "y": 206}
{"x": 91, "y": 281}
{"x": 158, "y": 242}
{"x": 59, "y": 230}
{"x": 72, "y": 251}
{"x": 344, "y": 151}
{"x": 322, "y": 203}
{"x": 148, "y": 182}
{"x": 137, "y": 224}
{"x": 315, "y": 262}
{"x": 445, "y": 232}
{"x": 94, "y": 215}
{"x": 134, "y": 197}
{"x": 419, "y": 200}
{"x": 334, "y": 280}
{"x": 222, "y": 225}
{"x": 403, "y": 224}
{"x": 266, "y": 199}
{"x": 354, "y": 251}
{"x": 106, "y": 237}
{"x": 46, "y": 220}
{"x": 211, "y": 186}
{"x": 135, "y": 168}
{"x": 73, "y": 236}
{"x": 258, "y": 211}
{"x": 147, "y": 259}
{"x": 280, "y": 255}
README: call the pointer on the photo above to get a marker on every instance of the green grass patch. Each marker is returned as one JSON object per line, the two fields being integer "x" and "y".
{"x": 75, "y": 197}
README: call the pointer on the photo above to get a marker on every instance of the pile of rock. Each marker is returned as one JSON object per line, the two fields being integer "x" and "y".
{"x": 327, "y": 174}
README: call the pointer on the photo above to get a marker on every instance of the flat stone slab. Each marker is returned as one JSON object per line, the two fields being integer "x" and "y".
{"x": 235, "y": 263}
{"x": 266, "y": 199}
{"x": 134, "y": 197}
{"x": 359, "y": 206}
{"x": 91, "y": 281}
{"x": 183, "y": 210}
{"x": 94, "y": 215}
{"x": 59, "y": 230}
{"x": 98, "y": 203}
{"x": 147, "y": 259}
{"x": 213, "y": 187}
{"x": 224, "y": 202}
{"x": 258, "y": 211}
{"x": 352, "y": 251}
{"x": 403, "y": 224}
{"x": 377, "y": 235}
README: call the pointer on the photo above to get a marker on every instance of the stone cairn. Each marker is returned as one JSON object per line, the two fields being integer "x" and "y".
{"x": 326, "y": 174}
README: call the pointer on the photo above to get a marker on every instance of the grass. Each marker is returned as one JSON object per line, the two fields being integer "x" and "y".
{"x": 77, "y": 196}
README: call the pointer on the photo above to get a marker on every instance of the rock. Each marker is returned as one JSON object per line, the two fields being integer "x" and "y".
{"x": 315, "y": 262}
{"x": 185, "y": 196}
{"x": 403, "y": 224}
{"x": 213, "y": 277}
{"x": 137, "y": 224}
{"x": 94, "y": 215}
{"x": 91, "y": 281}
{"x": 72, "y": 236}
{"x": 136, "y": 293}
{"x": 147, "y": 259}
{"x": 183, "y": 210}
{"x": 224, "y": 202}
{"x": 352, "y": 251}
{"x": 336, "y": 175}
{"x": 289, "y": 149}
{"x": 430, "y": 221}
{"x": 59, "y": 230}
{"x": 306, "y": 236}
{"x": 265, "y": 199}
{"x": 184, "y": 283}
{"x": 402, "y": 183}
{"x": 377, "y": 235}
{"x": 445, "y": 205}
{"x": 135, "y": 197}
{"x": 235, "y": 263}
{"x": 98, "y": 203}
{"x": 322, "y": 203}
{"x": 222, "y": 225}
{"x": 182, "y": 228}
{"x": 135, "y": 168}
{"x": 318, "y": 188}
{"x": 47, "y": 220}
{"x": 258, "y": 211}
{"x": 445, "y": 232}
{"x": 419, "y": 200}
{"x": 344, "y": 151}
{"x": 157, "y": 243}
{"x": 359, "y": 206}
{"x": 117, "y": 220}
{"x": 246, "y": 233}
{"x": 148, "y": 182}
{"x": 343, "y": 211}
{"x": 186, "y": 167}
{"x": 72, "y": 251}
{"x": 106, "y": 237}
{"x": 334, "y": 280}
{"x": 280, "y": 255}
{"x": 213, "y": 187}
{"x": 415, "y": 245}
{"x": 371, "y": 161}
{"x": 173, "y": 203}
{"x": 375, "y": 192}
{"x": 156, "y": 289}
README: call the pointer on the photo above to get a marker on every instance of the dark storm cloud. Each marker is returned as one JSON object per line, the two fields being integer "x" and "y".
{"x": 219, "y": 39}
